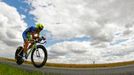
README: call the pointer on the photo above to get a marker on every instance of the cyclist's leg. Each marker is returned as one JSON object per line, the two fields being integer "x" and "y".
{"x": 26, "y": 43}
{"x": 30, "y": 38}
{"x": 30, "y": 45}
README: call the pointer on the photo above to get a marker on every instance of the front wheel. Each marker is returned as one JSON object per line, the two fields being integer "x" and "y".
{"x": 39, "y": 56}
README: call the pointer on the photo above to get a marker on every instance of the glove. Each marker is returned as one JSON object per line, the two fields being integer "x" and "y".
{"x": 39, "y": 39}
{"x": 43, "y": 38}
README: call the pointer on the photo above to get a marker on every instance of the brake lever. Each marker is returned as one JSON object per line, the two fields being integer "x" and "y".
{"x": 44, "y": 41}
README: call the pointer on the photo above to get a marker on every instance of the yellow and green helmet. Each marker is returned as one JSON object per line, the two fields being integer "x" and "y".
{"x": 39, "y": 26}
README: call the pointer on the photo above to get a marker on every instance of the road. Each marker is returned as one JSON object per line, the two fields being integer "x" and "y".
{"x": 124, "y": 70}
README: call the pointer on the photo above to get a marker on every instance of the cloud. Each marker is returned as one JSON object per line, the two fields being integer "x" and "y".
{"x": 72, "y": 19}
{"x": 67, "y": 51}
{"x": 106, "y": 21}
{"x": 83, "y": 52}
{"x": 69, "y": 19}
{"x": 12, "y": 26}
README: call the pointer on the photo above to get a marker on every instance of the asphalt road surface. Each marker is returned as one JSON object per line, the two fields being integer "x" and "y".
{"x": 124, "y": 70}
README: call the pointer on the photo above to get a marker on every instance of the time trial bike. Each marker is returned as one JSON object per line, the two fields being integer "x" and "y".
{"x": 38, "y": 53}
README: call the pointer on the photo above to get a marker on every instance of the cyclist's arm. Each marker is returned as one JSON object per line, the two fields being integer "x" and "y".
{"x": 38, "y": 35}
{"x": 35, "y": 35}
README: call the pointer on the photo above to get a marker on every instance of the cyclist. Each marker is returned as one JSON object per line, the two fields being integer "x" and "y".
{"x": 28, "y": 36}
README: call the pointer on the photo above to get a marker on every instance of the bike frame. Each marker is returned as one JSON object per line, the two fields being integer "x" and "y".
{"x": 31, "y": 49}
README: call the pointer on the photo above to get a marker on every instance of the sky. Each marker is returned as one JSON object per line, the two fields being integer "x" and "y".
{"x": 77, "y": 31}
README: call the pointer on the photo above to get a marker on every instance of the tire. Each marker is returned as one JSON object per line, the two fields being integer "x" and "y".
{"x": 40, "y": 64}
{"x": 19, "y": 59}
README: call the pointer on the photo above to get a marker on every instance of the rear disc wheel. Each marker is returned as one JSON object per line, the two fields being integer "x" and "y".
{"x": 19, "y": 55}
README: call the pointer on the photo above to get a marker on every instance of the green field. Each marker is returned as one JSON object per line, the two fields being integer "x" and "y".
{"x": 6, "y": 69}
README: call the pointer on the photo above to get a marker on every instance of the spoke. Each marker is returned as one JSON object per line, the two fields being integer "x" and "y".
{"x": 38, "y": 56}
{"x": 37, "y": 53}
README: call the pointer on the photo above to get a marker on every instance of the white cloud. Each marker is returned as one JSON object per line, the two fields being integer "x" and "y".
{"x": 83, "y": 52}
{"x": 11, "y": 28}
{"x": 67, "y": 51}
{"x": 62, "y": 17}
{"x": 23, "y": 16}
{"x": 69, "y": 19}
{"x": 106, "y": 21}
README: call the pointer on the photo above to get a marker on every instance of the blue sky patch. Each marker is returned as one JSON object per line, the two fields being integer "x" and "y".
{"x": 23, "y": 8}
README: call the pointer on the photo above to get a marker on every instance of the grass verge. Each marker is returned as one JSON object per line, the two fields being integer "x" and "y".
{"x": 6, "y": 69}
